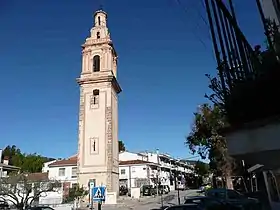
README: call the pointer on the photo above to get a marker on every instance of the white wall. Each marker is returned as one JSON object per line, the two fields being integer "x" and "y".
{"x": 264, "y": 138}
{"x": 54, "y": 197}
{"x": 46, "y": 166}
{"x": 165, "y": 177}
{"x": 133, "y": 172}
{"x": 153, "y": 157}
{"x": 51, "y": 198}
{"x": 124, "y": 156}
{"x": 54, "y": 174}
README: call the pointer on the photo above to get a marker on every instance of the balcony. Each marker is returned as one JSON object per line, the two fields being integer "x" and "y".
{"x": 246, "y": 87}
{"x": 165, "y": 165}
{"x": 5, "y": 168}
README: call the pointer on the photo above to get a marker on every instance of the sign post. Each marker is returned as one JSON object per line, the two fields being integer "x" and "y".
{"x": 91, "y": 185}
{"x": 98, "y": 195}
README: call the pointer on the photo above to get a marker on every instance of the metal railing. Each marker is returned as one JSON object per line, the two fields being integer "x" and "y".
{"x": 246, "y": 76}
{"x": 236, "y": 59}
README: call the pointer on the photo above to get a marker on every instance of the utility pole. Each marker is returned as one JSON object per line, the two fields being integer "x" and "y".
{"x": 148, "y": 169}
{"x": 157, "y": 183}
{"x": 1, "y": 168}
{"x": 158, "y": 169}
{"x": 178, "y": 189}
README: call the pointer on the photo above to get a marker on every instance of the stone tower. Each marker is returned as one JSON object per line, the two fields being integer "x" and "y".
{"x": 98, "y": 153}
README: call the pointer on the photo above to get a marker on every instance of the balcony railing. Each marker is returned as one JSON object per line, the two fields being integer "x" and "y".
{"x": 246, "y": 77}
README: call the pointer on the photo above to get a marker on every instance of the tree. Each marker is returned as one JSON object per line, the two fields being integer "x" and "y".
{"x": 201, "y": 168}
{"x": 30, "y": 163}
{"x": 22, "y": 189}
{"x": 206, "y": 140}
{"x": 10, "y": 151}
{"x": 76, "y": 193}
{"x": 121, "y": 146}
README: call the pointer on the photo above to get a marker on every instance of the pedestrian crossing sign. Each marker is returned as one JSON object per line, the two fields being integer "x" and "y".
{"x": 98, "y": 194}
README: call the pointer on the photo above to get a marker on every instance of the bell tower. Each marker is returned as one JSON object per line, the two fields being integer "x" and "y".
{"x": 98, "y": 153}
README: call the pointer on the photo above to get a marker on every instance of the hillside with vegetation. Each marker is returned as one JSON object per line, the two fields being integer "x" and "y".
{"x": 30, "y": 163}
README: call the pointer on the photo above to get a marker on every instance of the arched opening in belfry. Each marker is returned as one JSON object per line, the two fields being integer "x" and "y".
{"x": 98, "y": 35}
{"x": 99, "y": 21}
{"x": 96, "y": 63}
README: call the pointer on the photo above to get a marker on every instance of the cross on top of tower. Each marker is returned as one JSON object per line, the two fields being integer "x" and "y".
{"x": 100, "y": 4}
{"x": 100, "y": 9}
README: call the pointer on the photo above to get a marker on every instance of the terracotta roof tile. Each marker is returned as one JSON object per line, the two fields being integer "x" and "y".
{"x": 38, "y": 177}
{"x": 73, "y": 157}
{"x": 135, "y": 162}
{"x": 72, "y": 161}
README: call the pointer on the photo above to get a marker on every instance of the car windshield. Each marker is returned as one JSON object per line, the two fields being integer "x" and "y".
{"x": 147, "y": 186}
{"x": 230, "y": 194}
{"x": 193, "y": 201}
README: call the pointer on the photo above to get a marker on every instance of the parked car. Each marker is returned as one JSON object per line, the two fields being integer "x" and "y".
{"x": 209, "y": 203}
{"x": 148, "y": 190}
{"x": 204, "y": 187}
{"x": 189, "y": 206}
{"x": 40, "y": 208}
{"x": 4, "y": 205}
{"x": 166, "y": 189}
{"x": 233, "y": 198}
{"x": 123, "y": 190}
{"x": 160, "y": 189}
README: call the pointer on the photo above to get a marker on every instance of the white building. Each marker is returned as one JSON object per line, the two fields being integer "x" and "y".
{"x": 135, "y": 169}
{"x": 63, "y": 170}
{"x": 135, "y": 173}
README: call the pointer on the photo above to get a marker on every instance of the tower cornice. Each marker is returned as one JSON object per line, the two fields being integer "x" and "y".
{"x": 91, "y": 42}
{"x": 100, "y": 11}
{"x": 100, "y": 77}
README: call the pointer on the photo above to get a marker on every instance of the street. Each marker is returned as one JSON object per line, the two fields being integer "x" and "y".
{"x": 152, "y": 203}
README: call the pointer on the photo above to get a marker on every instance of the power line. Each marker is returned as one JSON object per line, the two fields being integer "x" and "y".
{"x": 186, "y": 10}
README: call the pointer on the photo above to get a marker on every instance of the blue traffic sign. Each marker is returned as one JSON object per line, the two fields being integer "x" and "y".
{"x": 98, "y": 194}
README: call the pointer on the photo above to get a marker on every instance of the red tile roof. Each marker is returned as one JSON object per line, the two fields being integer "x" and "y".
{"x": 73, "y": 157}
{"x": 72, "y": 161}
{"x": 135, "y": 162}
{"x": 37, "y": 176}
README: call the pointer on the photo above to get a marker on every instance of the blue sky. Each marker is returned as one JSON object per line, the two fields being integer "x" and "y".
{"x": 162, "y": 63}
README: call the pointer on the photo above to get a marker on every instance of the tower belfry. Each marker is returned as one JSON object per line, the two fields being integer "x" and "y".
{"x": 98, "y": 154}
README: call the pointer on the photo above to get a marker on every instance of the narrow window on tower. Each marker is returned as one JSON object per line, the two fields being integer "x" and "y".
{"x": 96, "y": 96}
{"x": 94, "y": 145}
{"x": 96, "y": 63}
{"x": 94, "y": 99}
{"x": 99, "y": 21}
{"x": 98, "y": 35}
